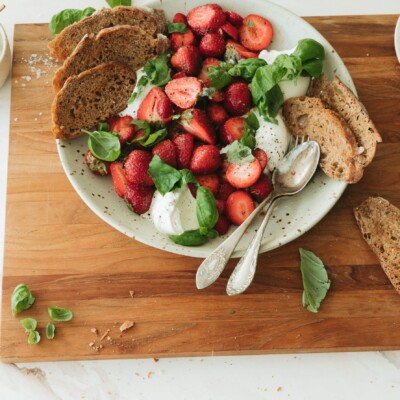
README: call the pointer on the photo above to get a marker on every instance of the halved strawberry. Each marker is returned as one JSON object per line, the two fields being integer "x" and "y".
{"x": 207, "y": 18}
{"x": 232, "y": 130}
{"x": 231, "y": 31}
{"x": 261, "y": 156}
{"x": 98, "y": 167}
{"x": 184, "y": 149}
{"x": 210, "y": 181}
{"x": 118, "y": 177}
{"x": 243, "y": 175}
{"x": 256, "y": 32}
{"x": 235, "y": 52}
{"x": 217, "y": 113}
{"x": 212, "y": 45}
{"x": 187, "y": 59}
{"x": 166, "y": 151}
{"x": 139, "y": 197}
{"x": 121, "y": 126}
{"x": 184, "y": 92}
{"x": 136, "y": 167}
{"x": 205, "y": 159}
{"x": 178, "y": 40}
{"x": 179, "y": 18}
{"x": 234, "y": 18}
{"x": 196, "y": 122}
{"x": 238, "y": 98}
{"x": 156, "y": 107}
{"x": 262, "y": 188}
{"x": 225, "y": 190}
{"x": 239, "y": 206}
{"x": 222, "y": 226}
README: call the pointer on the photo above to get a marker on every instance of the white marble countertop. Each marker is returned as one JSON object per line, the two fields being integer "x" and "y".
{"x": 335, "y": 376}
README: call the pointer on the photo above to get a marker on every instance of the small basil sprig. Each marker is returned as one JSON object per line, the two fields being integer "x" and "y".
{"x": 104, "y": 145}
{"x": 115, "y": 3}
{"x": 30, "y": 325}
{"x": 33, "y": 338}
{"x": 149, "y": 138}
{"x": 238, "y": 153}
{"x": 50, "y": 330}
{"x": 251, "y": 126}
{"x": 59, "y": 313}
{"x": 68, "y": 17}
{"x": 21, "y": 299}
{"x": 176, "y": 27}
{"x": 206, "y": 209}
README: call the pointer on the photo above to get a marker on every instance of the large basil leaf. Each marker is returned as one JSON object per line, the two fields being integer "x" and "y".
{"x": 59, "y": 313}
{"x": 165, "y": 177}
{"x": 21, "y": 299}
{"x": 29, "y": 324}
{"x": 68, "y": 17}
{"x": 238, "y": 153}
{"x": 115, "y": 3}
{"x": 247, "y": 68}
{"x": 104, "y": 145}
{"x": 206, "y": 208}
{"x": 190, "y": 238}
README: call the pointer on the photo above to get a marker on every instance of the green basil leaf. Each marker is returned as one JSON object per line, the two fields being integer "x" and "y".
{"x": 212, "y": 234}
{"x": 219, "y": 76}
{"x": 115, "y": 3}
{"x": 157, "y": 71}
{"x": 189, "y": 238}
{"x": 313, "y": 68}
{"x": 208, "y": 92}
{"x": 141, "y": 124}
{"x": 291, "y": 66}
{"x": 29, "y": 324}
{"x": 60, "y": 314}
{"x": 154, "y": 138}
{"x": 68, "y": 17}
{"x": 165, "y": 177}
{"x": 103, "y": 126}
{"x": 50, "y": 330}
{"x": 239, "y": 153}
{"x": 143, "y": 81}
{"x": 176, "y": 27}
{"x": 21, "y": 299}
{"x": 315, "y": 280}
{"x": 33, "y": 338}
{"x": 251, "y": 125}
{"x": 270, "y": 103}
{"x": 104, "y": 145}
{"x": 188, "y": 177}
{"x": 206, "y": 208}
{"x": 309, "y": 49}
{"x": 247, "y": 68}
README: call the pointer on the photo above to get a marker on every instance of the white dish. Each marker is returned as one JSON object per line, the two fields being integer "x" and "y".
{"x": 291, "y": 216}
{"x": 397, "y": 39}
{"x": 5, "y": 56}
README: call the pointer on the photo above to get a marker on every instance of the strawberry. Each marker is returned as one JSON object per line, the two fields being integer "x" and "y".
{"x": 184, "y": 149}
{"x": 218, "y": 95}
{"x": 224, "y": 191}
{"x": 156, "y": 107}
{"x": 166, "y": 151}
{"x": 118, "y": 177}
{"x": 212, "y": 45}
{"x": 261, "y": 189}
{"x": 137, "y": 135}
{"x": 217, "y": 113}
{"x": 179, "y": 18}
{"x": 178, "y": 40}
{"x": 210, "y": 181}
{"x": 179, "y": 75}
{"x": 184, "y": 92}
{"x": 139, "y": 197}
{"x": 261, "y": 156}
{"x": 136, "y": 166}
{"x": 222, "y": 226}
{"x": 224, "y": 167}
{"x": 98, "y": 167}
{"x": 243, "y": 175}
{"x": 238, "y": 98}
{"x": 174, "y": 130}
{"x": 187, "y": 59}
{"x": 196, "y": 122}
{"x": 220, "y": 206}
{"x": 205, "y": 159}
{"x": 234, "y": 18}
{"x": 239, "y": 206}
{"x": 207, "y": 18}
{"x": 121, "y": 126}
{"x": 256, "y": 32}
{"x": 235, "y": 51}
{"x": 230, "y": 30}
{"x": 232, "y": 130}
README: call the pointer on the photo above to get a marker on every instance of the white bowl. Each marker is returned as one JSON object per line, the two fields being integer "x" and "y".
{"x": 397, "y": 39}
{"x": 291, "y": 216}
{"x": 5, "y": 56}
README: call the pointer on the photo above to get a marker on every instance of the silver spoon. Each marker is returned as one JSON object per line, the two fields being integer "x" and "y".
{"x": 289, "y": 178}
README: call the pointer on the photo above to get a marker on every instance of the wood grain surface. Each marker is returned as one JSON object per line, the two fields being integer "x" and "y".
{"x": 69, "y": 257}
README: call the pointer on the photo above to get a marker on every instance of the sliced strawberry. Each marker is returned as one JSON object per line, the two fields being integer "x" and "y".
{"x": 166, "y": 151}
{"x": 139, "y": 197}
{"x": 207, "y": 18}
{"x": 187, "y": 59}
{"x": 98, "y": 167}
{"x": 136, "y": 167}
{"x": 231, "y": 31}
{"x": 196, "y": 122}
{"x": 256, "y": 33}
{"x": 178, "y": 40}
{"x": 184, "y": 149}
{"x": 184, "y": 92}
{"x": 234, "y": 18}
{"x": 225, "y": 190}
{"x": 205, "y": 159}
{"x": 156, "y": 107}
{"x": 210, "y": 181}
{"x": 222, "y": 226}
{"x": 212, "y": 45}
{"x": 220, "y": 206}
{"x": 261, "y": 156}
{"x": 262, "y": 188}
{"x": 232, "y": 130}
{"x": 121, "y": 126}
{"x": 179, "y": 75}
{"x": 179, "y": 18}
{"x": 239, "y": 206}
{"x": 243, "y": 175}
{"x": 235, "y": 52}
{"x": 118, "y": 177}
{"x": 238, "y": 98}
{"x": 217, "y": 113}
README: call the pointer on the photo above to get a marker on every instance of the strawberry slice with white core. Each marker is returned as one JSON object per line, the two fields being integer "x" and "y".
{"x": 156, "y": 107}
{"x": 184, "y": 92}
{"x": 243, "y": 175}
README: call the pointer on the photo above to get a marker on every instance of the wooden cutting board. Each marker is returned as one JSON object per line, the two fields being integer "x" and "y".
{"x": 69, "y": 257}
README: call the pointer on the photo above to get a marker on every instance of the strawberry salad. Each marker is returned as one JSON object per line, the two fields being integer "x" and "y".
{"x": 195, "y": 147}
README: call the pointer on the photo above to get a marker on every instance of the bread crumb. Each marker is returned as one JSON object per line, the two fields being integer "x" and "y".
{"x": 105, "y": 334}
{"x": 156, "y": 359}
{"x": 15, "y": 119}
{"x": 279, "y": 389}
{"x": 91, "y": 344}
{"x": 94, "y": 330}
{"x": 126, "y": 325}
{"x": 150, "y": 374}
{"x": 131, "y": 293}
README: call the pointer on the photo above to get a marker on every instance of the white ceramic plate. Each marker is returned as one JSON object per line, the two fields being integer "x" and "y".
{"x": 291, "y": 216}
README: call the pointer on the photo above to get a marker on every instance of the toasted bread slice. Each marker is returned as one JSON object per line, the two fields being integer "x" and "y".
{"x": 379, "y": 222}
{"x": 310, "y": 116}
{"x": 151, "y": 21}
{"x": 90, "y": 97}
{"x": 125, "y": 44}
{"x": 342, "y": 100}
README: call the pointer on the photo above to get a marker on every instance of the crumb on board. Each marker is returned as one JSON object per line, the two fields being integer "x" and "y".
{"x": 95, "y": 331}
{"x": 126, "y": 325}
{"x": 156, "y": 359}
{"x": 131, "y": 293}
{"x": 279, "y": 389}
{"x": 105, "y": 334}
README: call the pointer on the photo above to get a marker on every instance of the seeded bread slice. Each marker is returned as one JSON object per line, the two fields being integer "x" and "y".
{"x": 151, "y": 21}
{"x": 310, "y": 116}
{"x": 125, "y": 44}
{"x": 379, "y": 222}
{"x": 342, "y": 100}
{"x": 90, "y": 97}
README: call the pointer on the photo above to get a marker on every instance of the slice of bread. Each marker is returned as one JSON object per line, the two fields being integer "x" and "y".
{"x": 126, "y": 44}
{"x": 342, "y": 100}
{"x": 379, "y": 222}
{"x": 90, "y": 97}
{"x": 151, "y": 21}
{"x": 310, "y": 116}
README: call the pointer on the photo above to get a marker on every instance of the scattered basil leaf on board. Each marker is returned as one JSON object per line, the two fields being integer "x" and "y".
{"x": 315, "y": 280}
{"x": 206, "y": 208}
{"x": 68, "y": 17}
{"x": 29, "y": 324}
{"x": 21, "y": 299}
{"x": 115, "y": 3}
{"x": 238, "y": 153}
{"x": 176, "y": 27}
{"x": 60, "y": 314}
{"x": 104, "y": 145}
{"x": 50, "y": 330}
{"x": 190, "y": 238}
{"x": 33, "y": 338}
